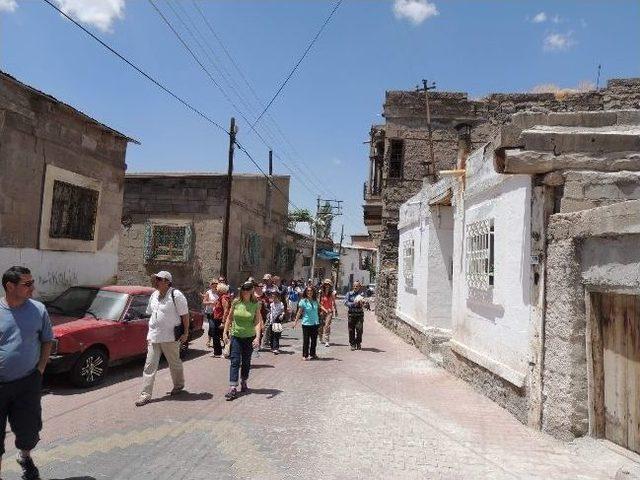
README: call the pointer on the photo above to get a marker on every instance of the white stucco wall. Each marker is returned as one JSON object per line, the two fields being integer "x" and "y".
{"x": 350, "y": 264}
{"x": 56, "y": 271}
{"x": 491, "y": 328}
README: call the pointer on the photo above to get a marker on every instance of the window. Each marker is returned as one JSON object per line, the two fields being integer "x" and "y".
{"x": 408, "y": 257}
{"x": 138, "y": 307}
{"x": 73, "y": 211}
{"x": 480, "y": 255}
{"x": 396, "y": 156}
{"x": 306, "y": 261}
{"x": 168, "y": 243}
{"x": 251, "y": 250}
{"x": 285, "y": 257}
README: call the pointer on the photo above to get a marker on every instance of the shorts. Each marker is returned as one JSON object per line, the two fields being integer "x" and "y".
{"x": 20, "y": 404}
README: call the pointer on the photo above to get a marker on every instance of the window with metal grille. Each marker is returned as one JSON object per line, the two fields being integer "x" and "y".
{"x": 74, "y": 211}
{"x": 284, "y": 257}
{"x": 396, "y": 157}
{"x": 306, "y": 261}
{"x": 408, "y": 259}
{"x": 168, "y": 243}
{"x": 480, "y": 254}
{"x": 251, "y": 250}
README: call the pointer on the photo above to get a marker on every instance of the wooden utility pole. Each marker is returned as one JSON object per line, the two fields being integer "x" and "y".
{"x": 269, "y": 189}
{"x": 315, "y": 241}
{"x": 426, "y": 87}
{"x": 225, "y": 232}
{"x": 339, "y": 259}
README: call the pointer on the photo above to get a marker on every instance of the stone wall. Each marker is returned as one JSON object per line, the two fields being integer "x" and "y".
{"x": 37, "y": 131}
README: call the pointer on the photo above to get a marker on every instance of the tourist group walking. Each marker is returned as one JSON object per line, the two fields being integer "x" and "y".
{"x": 240, "y": 323}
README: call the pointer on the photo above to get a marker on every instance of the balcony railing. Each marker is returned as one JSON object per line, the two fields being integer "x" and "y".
{"x": 371, "y": 191}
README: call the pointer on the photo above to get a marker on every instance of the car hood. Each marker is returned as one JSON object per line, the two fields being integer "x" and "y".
{"x": 63, "y": 324}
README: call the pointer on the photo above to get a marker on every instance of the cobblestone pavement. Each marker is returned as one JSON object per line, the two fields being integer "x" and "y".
{"x": 383, "y": 412}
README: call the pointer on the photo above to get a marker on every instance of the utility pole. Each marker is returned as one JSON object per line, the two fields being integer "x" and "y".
{"x": 225, "y": 232}
{"x": 339, "y": 259}
{"x": 598, "y": 78}
{"x": 426, "y": 87}
{"x": 269, "y": 188}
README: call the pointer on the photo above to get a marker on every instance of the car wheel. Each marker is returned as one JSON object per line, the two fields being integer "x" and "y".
{"x": 91, "y": 368}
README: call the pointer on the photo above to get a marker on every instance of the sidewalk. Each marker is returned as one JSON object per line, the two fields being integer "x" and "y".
{"x": 383, "y": 412}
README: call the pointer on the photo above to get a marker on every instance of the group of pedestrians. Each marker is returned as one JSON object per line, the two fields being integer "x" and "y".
{"x": 240, "y": 322}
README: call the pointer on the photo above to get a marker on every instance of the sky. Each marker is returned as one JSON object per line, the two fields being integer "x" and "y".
{"x": 319, "y": 123}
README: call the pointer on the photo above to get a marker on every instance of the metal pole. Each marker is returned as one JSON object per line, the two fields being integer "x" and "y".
{"x": 224, "y": 255}
{"x": 339, "y": 259}
{"x": 315, "y": 242}
{"x": 431, "y": 168}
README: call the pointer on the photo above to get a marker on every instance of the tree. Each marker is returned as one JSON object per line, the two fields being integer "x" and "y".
{"x": 326, "y": 216}
{"x": 300, "y": 215}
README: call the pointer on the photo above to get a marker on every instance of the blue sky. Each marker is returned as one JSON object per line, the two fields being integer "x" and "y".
{"x": 328, "y": 106}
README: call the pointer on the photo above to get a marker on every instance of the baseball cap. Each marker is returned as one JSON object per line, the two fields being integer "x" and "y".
{"x": 165, "y": 275}
{"x": 247, "y": 286}
{"x": 267, "y": 276}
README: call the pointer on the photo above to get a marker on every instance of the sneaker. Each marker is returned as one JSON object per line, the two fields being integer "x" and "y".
{"x": 243, "y": 386}
{"x": 231, "y": 394}
{"x": 353, "y": 347}
{"x": 358, "y": 347}
{"x": 314, "y": 357}
{"x": 29, "y": 470}
{"x": 305, "y": 358}
{"x": 142, "y": 401}
{"x": 276, "y": 351}
{"x": 326, "y": 344}
{"x": 176, "y": 390}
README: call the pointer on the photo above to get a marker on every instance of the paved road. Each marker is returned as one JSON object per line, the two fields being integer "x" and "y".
{"x": 383, "y": 412}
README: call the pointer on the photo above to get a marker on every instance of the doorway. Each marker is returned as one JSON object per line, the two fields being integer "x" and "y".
{"x": 615, "y": 344}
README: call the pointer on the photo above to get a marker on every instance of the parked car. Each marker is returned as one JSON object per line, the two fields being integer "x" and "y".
{"x": 96, "y": 327}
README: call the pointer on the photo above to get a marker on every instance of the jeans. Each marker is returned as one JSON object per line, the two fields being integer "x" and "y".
{"x": 240, "y": 356}
{"x": 215, "y": 334}
{"x": 20, "y": 404}
{"x": 309, "y": 340}
{"x": 266, "y": 336}
{"x": 171, "y": 351}
{"x": 275, "y": 340}
{"x": 324, "y": 332}
{"x": 355, "y": 330}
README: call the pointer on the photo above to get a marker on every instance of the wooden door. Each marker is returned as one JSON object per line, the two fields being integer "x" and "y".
{"x": 620, "y": 327}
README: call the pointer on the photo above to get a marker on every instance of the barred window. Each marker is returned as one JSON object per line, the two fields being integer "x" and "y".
{"x": 480, "y": 255}
{"x": 73, "y": 211}
{"x": 306, "y": 261}
{"x": 285, "y": 257}
{"x": 408, "y": 258}
{"x": 168, "y": 243}
{"x": 251, "y": 250}
{"x": 396, "y": 157}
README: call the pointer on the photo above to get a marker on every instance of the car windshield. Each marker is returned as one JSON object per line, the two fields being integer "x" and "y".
{"x": 82, "y": 301}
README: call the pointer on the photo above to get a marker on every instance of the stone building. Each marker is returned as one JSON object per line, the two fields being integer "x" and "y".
{"x": 304, "y": 253}
{"x": 543, "y": 301}
{"x": 400, "y": 159}
{"x": 61, "y": 190}
{"x": 175, "y": 221}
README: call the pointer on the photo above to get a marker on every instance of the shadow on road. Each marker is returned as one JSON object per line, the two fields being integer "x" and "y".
{"x": 75, "y": 478}
{"x": 326, "y": 359}
{"x": 261, "y": 365}
{"x": 372, "y": 349}
{"x": 184, "y": 397}
{"x": 269, "y": 392}
{"x": 59, "y": 384}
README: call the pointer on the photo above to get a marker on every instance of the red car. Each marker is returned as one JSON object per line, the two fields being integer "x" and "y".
{"x": 95, "y": 327}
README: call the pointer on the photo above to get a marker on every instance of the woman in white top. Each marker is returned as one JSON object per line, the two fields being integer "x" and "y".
{"x": 209, "y": 299}
{"x": 275, "y": 318}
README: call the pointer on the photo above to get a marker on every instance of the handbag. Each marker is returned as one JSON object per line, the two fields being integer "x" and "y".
{"x": 276, "y": 327}
{"x": 178, "y": 330}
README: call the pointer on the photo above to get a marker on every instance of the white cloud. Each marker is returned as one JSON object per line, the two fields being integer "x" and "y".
{"x": 539, "y": 18}
{"x": 99, "y": 13}
{"x": 555, "y": 42}
{"x": 8, "y": 5}
{"x": 556, "y": 19}
{"x": 416, "y": 11}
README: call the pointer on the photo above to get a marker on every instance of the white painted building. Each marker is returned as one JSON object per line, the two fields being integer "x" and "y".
{"x": 355, "y": 265}
{"x": 425, "y": 259}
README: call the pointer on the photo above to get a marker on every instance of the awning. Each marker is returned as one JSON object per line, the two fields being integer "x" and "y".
{"x": 328, "y": 255}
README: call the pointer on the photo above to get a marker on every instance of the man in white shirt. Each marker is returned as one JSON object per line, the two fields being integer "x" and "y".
{"x": 167, "y": 309}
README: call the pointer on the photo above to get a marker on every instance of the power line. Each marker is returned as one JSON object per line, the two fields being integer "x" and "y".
{"x": 293, "y": 70}
{"x": 139, "y": 70}
{"x": 212, "y": 79}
